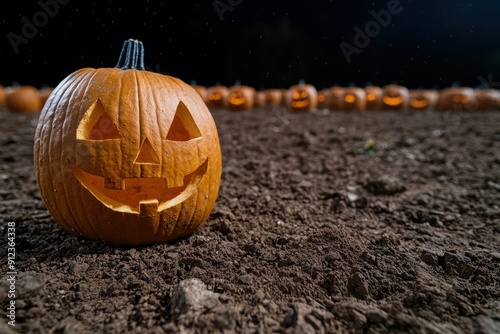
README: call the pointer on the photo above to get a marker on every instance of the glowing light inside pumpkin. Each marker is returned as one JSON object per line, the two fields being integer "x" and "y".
{"x": 133, "y": 194}
{"x": 419, "y": 103}
{"x": 350, "y": 98}
{"x": 371, "y": 97}
{"x": 393, "y": 101}
{"x": 214, "y": 96}
{"x": 237, "y": 98}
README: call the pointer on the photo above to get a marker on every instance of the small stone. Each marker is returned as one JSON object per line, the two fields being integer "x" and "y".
{"x": 352, "y": 197}
{"x": 191, "y": 295}
{"x": 358, "y": 287}
{"x": 429, "y": 257}
{"x": 376, "y": 316}
{"x": 78, "y": 268}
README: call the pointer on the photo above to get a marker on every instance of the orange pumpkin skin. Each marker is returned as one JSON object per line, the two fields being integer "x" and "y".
{"x": 395, "y": 97}
{"x": 323, "y": 99}
{"x": 202, "y": 91}
{"x": 217, "y": 96}
{"x": 302, "y": 97}
{"x": 274, "y": 97}
{"x": 240, "y": 98}
{"x": 486, "y": 99}
{"x": 457, "y": 99}
{"x": 423, "y": 99}
{"x": 353, "y": 98}
{"x": 284, "y": 96}
{"x": 2, "y": 95}
{"x": 335, "y": 95}
{"x": 374, "y": 97}
{"x": 23, "y": 98}
{"x": 127, "y": 156}
{"x": 259, "y": 100}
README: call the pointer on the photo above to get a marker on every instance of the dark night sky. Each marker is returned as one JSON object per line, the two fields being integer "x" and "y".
{"x": 260, "y": 43}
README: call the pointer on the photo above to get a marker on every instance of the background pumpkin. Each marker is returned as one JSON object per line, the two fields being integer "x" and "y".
{"x": 353, "y": 98}
{"x": 240, "y": 98}
{"x": 302, "y": 97}
{"x": 421, "y": 99}
{"x": 323, "y": 98}
{"x": 44, "y": 94}
{"x": 486, "y": 99}
{"x": 395, "y": 97}
{"x": 260, "y": 99}
{"x": 202, "y": 91}
{"x": 217, "y": 96}
{"x": 457, "y": 99}
{"x": 2, "y": 95}
{"x": 335, "y": 97}
{"x": 23, "y": 98}
{"x": 274, "y": 97}
{"x": 127, "y": 156}
{"x": 374, "y": 95}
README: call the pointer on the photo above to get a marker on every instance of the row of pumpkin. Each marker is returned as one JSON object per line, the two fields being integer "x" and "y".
{"x": 303, "y": 97}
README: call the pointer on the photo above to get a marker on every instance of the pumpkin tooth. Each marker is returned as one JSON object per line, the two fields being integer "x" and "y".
{"x": 111, "y": 183}
{"x": 148, "y": 206}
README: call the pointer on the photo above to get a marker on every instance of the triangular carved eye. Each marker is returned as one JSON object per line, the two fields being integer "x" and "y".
{"x": 183, "y": 127}
{"x": 96, "y": 124}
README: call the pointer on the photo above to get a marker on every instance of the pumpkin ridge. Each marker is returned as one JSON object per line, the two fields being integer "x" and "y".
{"x": 69, "y": 85}
{"x": 187, "y": 223}
{"x": 179, "y": 211}
{"x": 45, "y": 130}
{"x": 89, "y": 76}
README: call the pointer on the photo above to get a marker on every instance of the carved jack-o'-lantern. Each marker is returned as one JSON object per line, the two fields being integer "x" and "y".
{"x": 2, "y": 95}
{"x": 353, "y": 98}
{"x": 23, "y": 98}
{"x": 395, "y": 97}
{"x": 374, "y": 96}
{"x": 302, "y": 97}
{"x": 421, "y": 99}
{"x": 457, "y": 99}
{"x": 335, "y": 95}
{"x": 486, "y": 99}
{"x": 274, "y": 97}
{"x": 127, "y": 156}
{"x": 240, "y": 98}
{"x": 260, "y": 99}
{"x": 323, "y": 98}
{"x": 217, "y": 96}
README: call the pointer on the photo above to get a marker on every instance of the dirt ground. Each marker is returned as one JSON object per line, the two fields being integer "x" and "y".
{"x": 369, "y": 222}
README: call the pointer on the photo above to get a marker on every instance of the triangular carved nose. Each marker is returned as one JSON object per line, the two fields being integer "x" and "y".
{"x": 147, "y": 154}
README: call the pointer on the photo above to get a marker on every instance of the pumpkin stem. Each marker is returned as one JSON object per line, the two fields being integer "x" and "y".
{"x": 131, "y": 56}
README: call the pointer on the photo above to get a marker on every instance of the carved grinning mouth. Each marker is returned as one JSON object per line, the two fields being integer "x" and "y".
{"x": 300, "y": 104}
{"x": 139, "y": 192}
{"x": 393, "y": 100}
{"x": 415, "y": 103}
